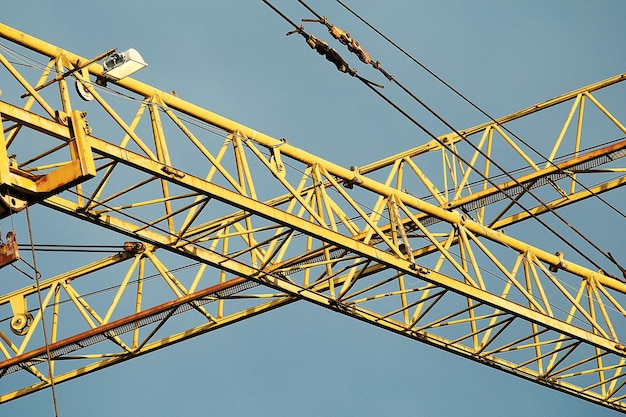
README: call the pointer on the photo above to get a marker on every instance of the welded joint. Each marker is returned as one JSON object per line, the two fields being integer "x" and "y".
{"x": 341, "y": 306}
{"x": 547, "y": 380}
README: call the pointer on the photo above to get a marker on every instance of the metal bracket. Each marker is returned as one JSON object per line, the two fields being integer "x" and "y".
{"x": 10, "y": 204}
{"x": 134, "y": 247}
{"x": 22, "y": 319}
{"x": 560, "y": 265}
{"x": 19, "y": 188}
{"x": 349, "y": 184}
{"x": 275, "y": 158}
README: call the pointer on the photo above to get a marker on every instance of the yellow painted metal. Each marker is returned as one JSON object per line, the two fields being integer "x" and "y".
{"x": 360, "y": 262}
{"x": 26, "y": 85}
{"x": 146, "y": 164}
{"x": 65, "y": 277}
{"x": 80, "y": 168}
{"x": 243, "y": 202}
{"x": 105, "y": 360}
{"x": 195, "y": 184}
{"x": 141, "y": 163}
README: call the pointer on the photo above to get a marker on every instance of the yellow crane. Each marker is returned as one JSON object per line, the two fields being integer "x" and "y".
{"x": 223, "y": 222}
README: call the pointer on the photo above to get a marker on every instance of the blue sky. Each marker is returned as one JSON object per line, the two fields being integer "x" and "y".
{"x": 233, "y": 58}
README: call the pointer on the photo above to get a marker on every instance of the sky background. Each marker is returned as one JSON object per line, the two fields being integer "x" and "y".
{"x": 232, "y": 57}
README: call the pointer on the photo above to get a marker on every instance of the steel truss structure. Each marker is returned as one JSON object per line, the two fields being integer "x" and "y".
{"x": 261, "y": 223}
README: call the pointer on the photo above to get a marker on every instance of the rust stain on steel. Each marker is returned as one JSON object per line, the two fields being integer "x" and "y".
{"x": 9, "y": 252}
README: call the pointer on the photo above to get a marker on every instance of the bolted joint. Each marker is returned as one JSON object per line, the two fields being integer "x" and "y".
{"x": 134, "y": 247}
{"x": 560, "y": 264}
{"x": 84, "y": 124}
{"x": 421, "y": 270}
{"x": 355, "y": 180}
{"x": 61, "y": 117}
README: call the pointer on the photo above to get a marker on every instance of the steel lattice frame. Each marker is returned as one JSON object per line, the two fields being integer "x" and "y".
{"x": 265, "y": 223}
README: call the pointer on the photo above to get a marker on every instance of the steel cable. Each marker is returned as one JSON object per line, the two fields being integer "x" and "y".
{"x": 440, "y": 118}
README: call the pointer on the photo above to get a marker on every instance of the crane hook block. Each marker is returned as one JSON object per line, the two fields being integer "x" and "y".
{"x": 9, "y": 251}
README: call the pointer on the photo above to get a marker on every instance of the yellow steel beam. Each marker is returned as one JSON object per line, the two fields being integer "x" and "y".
{"x": 107, "y": 358}
{"x": 205, "y": 115}
{"x": 340, "y": 240}
{"x": 349, "y": 258}
{"x": 139, "y": 162}
{"x": 177, "y": 176}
